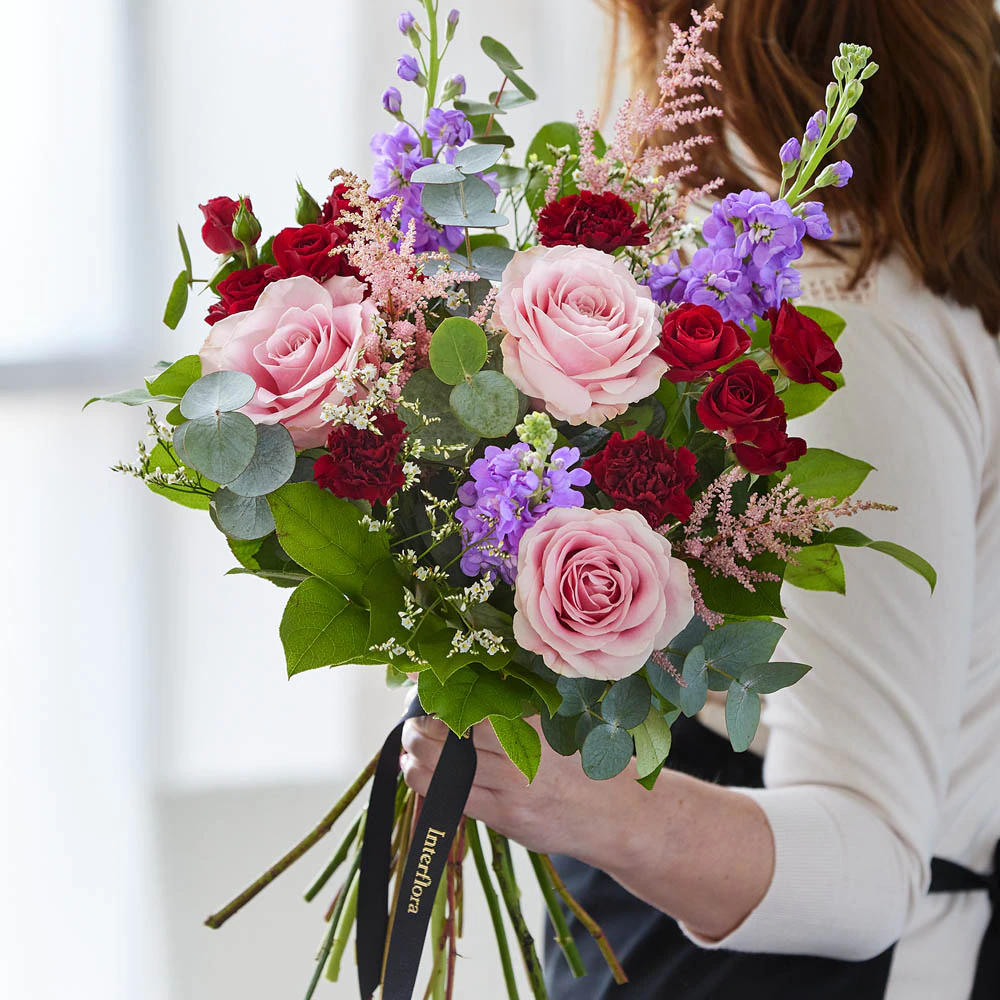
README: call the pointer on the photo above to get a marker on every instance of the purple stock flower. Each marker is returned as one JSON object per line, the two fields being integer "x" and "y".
{"x": 405, "y": 22}
{"x": 665, "y": 282}
{"x": 397, "y": 155}
{"x": 392, "y": 101}
{"x": 816, "y": 220}
{"x": 447, "y": 129}
{"x": 407, "y": 68}
{"x": 505, "y": 497}
{"x": 772, "y": 230}
{"x": 791, "y": 151}
{"x": 718, "y": 278}
{"x": 843, "y": 171}
{"x": 815, "y": 126}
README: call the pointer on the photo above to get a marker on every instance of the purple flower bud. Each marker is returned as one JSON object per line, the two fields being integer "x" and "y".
{"x": 453, "y": 16}
{"x": 815, "y": 127}
{"x": 844, "y": 172}
{"x": 405, "y": 22}
{"x": 457, "y": 84}
{"x": 816, "y": 220}
{"x": 407, "y": 68}
{"x": 392, "y": 101}
{"x": 791, "y": 151}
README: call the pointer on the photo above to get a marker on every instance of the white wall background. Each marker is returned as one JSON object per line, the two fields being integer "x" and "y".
{"x": 154, "y": 757}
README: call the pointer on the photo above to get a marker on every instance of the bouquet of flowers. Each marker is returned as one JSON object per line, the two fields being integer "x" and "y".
{"x": 517, "y": 433}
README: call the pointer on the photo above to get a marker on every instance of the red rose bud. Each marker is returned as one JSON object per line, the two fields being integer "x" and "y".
{"x": 246, "y": 228}
{"x": 306, "y": 250}
{"x": 645, "y": 474}
{"x": 239, "y": 292}
{"x": 600, "y": 221}
{"x": 801, "y": 348}
{"x": 217, "y": 231}
{"x": 363, "y": 465}
{"x": 307, "y": 211}
{"x": 696, "y": 340}
{"x": 770, "y": 451}
{"x": 335, "y": 206}
{"x": 739, "y": 401}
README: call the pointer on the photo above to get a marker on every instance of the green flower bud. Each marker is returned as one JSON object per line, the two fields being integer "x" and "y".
{"x": 854, "y": 91}
{"x": 848, "y": 127}
{"x": 307, "y": 212}
{"x": 537, "y": 431}
{"x": 246, "y": 228}
{"x": 870, "y": 70}
{"x": 832, "y": 93}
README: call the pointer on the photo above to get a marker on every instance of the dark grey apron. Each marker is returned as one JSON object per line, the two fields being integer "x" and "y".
{"x": 662, "y": 963}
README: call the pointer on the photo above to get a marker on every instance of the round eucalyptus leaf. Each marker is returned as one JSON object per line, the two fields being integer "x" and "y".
{"x": 627, "y": 703}
{"x": 484, "y": 220}
{"x": 491, "y": 262}
{"x": 606, "y": 751}
{"x": 455, "y": 204}
{"x": 438, "y": 173}
{"x": 560, "y": 732}
{"x": 579, "y": 694}
{"x": 487, "y": 403}
{"x": 272, "y": 464}
{"x": 474, "y": 159}
{"x": 217, "y": 392}
{"x": 304, "y": 466}
{"x": 435, "y": 420}
{"x": 220, "y": 446}
{"x": 584, "y": 725}
{"x": 242, "y": 518}
{"x": 458, "y": 349}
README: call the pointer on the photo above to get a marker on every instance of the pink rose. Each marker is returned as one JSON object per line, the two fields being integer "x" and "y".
{"x": 598, "y": 592}
{"x": 294, "y": 343}
{"x": 580, "y": 333}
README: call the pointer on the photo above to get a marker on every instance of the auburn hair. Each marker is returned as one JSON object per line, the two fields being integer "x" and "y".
{"x": 926, "y": 150}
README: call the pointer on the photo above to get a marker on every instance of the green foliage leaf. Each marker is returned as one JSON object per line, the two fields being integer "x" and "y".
{"x": 832, "y": 323}
{"x": 463, "y": 204}
{"x": 438, "y": 173}
{"x": 545, "y": 689}
{"x": 579, "y": 694}
{"x": 479, "y": 109}
{"x": 177, "y": 302}
{"x": 520, "y": 742}
{"x": 606, "y": 751}
{"x": 324, "y": 534}
{"x": 742, "y": 715}
{"x": 730, "y": 597}
{"x": 802, "y": 399}
{"x": 817, "y": 567}
{"x": 652, "y": 743}
{"x": 436, "y": 420}
{"x": 130, "y": 397}
{"x": 824, "y": 473}
{"x": 272, "y": 464}
{"x": 661, "y": 680}
{"x": 739, "y": 644}
{"x": 627, "y": 702}
{"x": 470, "y": 695}
{"x": 501, "y": 55}
{"x": 511, "y": 177}
{"x": 177, "y": 379}
{"x": 476, "y": 159}
{"x": 217, "y": 392}
{"x": 852, "y": 538}
{"x": 241, "y": 517}
{"x": 458, "y": 350}
{"x": 161, "y": 458}
{"x": 487, "y": 403}
{"x": 322, "y": 628}
{"x": 560, "y": 733}
{"x": 767, "y": 678}
{"x": 185, "y": 253}
{"x": 691, "y": 699}
{"x": 491, "y": 262}
{"x": 221, "y": 446}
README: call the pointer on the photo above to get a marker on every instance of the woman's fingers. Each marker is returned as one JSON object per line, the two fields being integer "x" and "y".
{"x": 424, "y": 739}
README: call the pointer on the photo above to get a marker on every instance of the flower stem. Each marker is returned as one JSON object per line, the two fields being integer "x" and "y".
{"x": 475, "y": 845}
{"x": 343, "y": 932}
{"x": 335, "y": 862}
{"x": 593, "y": 927}
{"x": 563, "y": 936}
{"x": 216, "y": 920}
{"x": 504, "y": 869}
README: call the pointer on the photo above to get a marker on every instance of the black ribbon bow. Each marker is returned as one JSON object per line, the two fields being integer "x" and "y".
{"x": 440, "y": 816}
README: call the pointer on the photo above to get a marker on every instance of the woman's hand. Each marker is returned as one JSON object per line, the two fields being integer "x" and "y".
{"x": 561, "y": 812}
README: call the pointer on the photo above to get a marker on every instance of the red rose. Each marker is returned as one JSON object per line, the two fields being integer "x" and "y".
{"x": 334, "y": 206}
{"x": 770, "y": 451}
{"x": 739, "y": 401}
{"x": 363, "y": 465}
{"x": 647, "y": 475}
{"x": 697, "y": 340}
{"x": 217, "y": 232}
{"x": 801, "y": 348}
{"x": 600, "y": 221}
{"x": 306, "y": 250}
{"x": 239, "y": 292}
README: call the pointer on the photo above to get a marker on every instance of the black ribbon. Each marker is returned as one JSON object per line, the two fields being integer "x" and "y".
{"x": 440, "y": 816}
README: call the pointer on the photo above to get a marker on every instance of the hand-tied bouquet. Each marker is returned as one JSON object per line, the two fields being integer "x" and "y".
{"x": 544, "y": 474}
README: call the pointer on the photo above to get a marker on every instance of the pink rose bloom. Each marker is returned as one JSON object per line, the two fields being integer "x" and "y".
{"x": 294, "y": 343}
{"x": 598, "y": 592}
{"x": 580, "y": 333}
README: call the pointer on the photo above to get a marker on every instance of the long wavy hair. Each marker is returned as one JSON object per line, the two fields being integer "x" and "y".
{"x": 926, "y": 151}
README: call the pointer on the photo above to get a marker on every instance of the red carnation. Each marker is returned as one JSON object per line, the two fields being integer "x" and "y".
{"x": 363, "y": 465}
{"x": 801, "y": 348}
{"x": 696, "y": 340}
{"x": 239, "y": 292}
{"x": 645, "y": 474}
{"x": 739, "y": 401}
{"x": 217, "y": 232}
{"x": 600, "y": 221}
{"x": 770, "y": 451}
{"x": 306, "y": 250}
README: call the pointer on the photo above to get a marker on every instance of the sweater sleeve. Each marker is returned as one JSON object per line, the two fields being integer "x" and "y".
{"x": 860, "y": 751}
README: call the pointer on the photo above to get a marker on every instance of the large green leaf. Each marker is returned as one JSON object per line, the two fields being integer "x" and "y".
{"x": 324, "y": 534}
{"x": 436, "y": 420}
{"x": 817, "y": 567}
{"x": 730, "y": 597}
{"x": 851, "y": 537}
{"x": 802, "y": 399}
{"x": 548, "y": 694}
{"x": 501, "y": 55}
{"x": 832, "y": 323}
{"x": 470, "y": 695}
{"x": 177, "y": 379}
{"x": 652, "y": 743}
{"x": 520, "y": 742}
{"x": 173, "y": 312}
{"x": 220, "y": 446}
{"x": 161, "y": 458}
{"x": 322, "y": 628}
{"x": 822, "y": 473}
{"x": 131, "y": 397}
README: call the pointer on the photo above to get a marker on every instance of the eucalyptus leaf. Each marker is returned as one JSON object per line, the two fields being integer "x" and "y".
{"x": 272, "y": 464}
{"x": 220, "y": 446}
{"x": 501, "y": 55}
{"x": 435, "y": 421}
{"x": 457, "y": 204}
{"x": 491, "y": 262}
{"x": 217, "y": 392}
{"x": 739, "y": 644}
{"x": 177, "y": 301}
{"x": 473, "y": 109}
{"x": 627, "y": 702}
{"x": 520, "y": 742}
{"x": 241, "y": 517}
{"x": 438, "y": 173}
{"x": 691, "y": 699}
{"x": 476, "y": 159}
{"x": 767, "y": 678}
{"x": 487, "y": 404}
{"x": 560, "y": 733}
{"x": 742, "y": 715}
{"x": 458, "y": 350}
{"x": 579, "y": 694}
{"x": 606, "y": 752}
{"x": 322, "y": 628}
